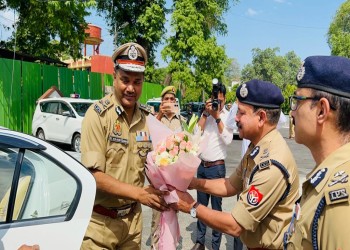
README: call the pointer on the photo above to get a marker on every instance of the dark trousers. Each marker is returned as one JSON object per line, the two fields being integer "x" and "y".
{"x": 213, "y": 172}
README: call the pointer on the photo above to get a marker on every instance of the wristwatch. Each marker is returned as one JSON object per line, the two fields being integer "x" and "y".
{"x": 193, "y": 211}
{"x": 218, "y": 120}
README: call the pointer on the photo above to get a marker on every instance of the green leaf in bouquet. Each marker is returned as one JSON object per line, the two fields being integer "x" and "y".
{"x": 192, "y": 123}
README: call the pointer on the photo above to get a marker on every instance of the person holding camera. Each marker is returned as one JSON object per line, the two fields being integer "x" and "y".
{"x": 266, "y": 178}
{"x": 213, "y": 122}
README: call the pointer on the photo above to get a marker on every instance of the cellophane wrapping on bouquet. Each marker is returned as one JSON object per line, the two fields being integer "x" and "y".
{"x": 173, "y": 162}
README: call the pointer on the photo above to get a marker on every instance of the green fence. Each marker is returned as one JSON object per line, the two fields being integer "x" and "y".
{"x": 22, "y": 83}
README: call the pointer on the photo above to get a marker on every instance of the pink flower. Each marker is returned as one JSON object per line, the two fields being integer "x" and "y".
{"x": 189, "y": 146}
{"x": 183, "y": 145}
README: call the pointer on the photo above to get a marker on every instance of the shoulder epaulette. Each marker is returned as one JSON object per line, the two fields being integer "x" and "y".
{"x": 102, "y": 105}
{"x": 145, "y": 107}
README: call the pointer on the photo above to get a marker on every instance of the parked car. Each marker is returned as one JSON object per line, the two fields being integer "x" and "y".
{"x": 44, "y": 194}
{"x": 59, "y": 120}
{"x": 192, "y": 108}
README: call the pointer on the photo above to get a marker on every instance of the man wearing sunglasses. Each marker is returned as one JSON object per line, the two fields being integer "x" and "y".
{"x": 266, "y": 178}
{"x": 321, "y": 113}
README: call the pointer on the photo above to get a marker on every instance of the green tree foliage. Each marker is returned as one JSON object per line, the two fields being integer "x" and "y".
{"x": 146, "y": 20}
{"x": 192, "y": 51}
{"x": 339, "y": 31}
{"x": 49, "y": 28}
{"x": 268, "y": 66}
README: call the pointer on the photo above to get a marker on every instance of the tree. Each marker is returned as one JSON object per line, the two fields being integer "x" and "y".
{"x": 192, "y": 51}
{"x": 268, "y": 66}
{"x": 146, "y": 20}
{"x": 49, "y": 28}
{"x": 339, "y": 32}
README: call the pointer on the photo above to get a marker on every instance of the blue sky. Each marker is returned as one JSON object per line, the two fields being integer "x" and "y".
{"x": 298, "y": 25}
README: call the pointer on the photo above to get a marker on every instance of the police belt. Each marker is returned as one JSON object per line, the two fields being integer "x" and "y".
{"x": 213, "y": 163}
{"x": 116, "y": 212}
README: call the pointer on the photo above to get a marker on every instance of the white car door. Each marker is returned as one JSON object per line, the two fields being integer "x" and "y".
{"x": 66, "y": 124}
{"x": 50, "y": 120}
{"x": 46, "y": 196}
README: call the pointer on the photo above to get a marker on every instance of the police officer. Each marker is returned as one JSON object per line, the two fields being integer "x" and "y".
{"x": 321, "y": 113}
{"x": 266, "y": 178}
{"x": 169, "y": 113}
{"x": 114, "y": 144}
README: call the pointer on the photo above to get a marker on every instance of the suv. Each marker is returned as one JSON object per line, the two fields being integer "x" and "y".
{"x": 59, "y": 120}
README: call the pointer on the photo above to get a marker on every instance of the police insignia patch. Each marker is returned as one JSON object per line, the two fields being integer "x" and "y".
{"x": 255, "y": 152}
{"x": 243, "y": 91}
{"x": 117, "y": 128}
{"x": 318, "y": 177}
{"x": 339, "y": 177}
{"x": 118, "y": 110}
{"x": 301, "y": 72}
{"x": 338, "y": 194}
{"x": 254, "y": 196}
{"x": 132, "y": 53}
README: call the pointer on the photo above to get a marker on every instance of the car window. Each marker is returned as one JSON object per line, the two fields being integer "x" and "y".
{"x": 63, "y": 107}
{"x": 44, "y": 188}
{"x": 155, "y": 105}
{"x": 81, "y": 107}
{"x": 50, "y": 107}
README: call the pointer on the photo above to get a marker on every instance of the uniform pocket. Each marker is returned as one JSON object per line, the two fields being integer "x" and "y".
{"x": 115, "y": 155}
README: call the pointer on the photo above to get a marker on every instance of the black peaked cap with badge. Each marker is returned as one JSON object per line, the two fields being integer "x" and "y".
{"x": 326, "y": 73}
{"x": 130, "y": 57}
{"x": 260, "y": 94}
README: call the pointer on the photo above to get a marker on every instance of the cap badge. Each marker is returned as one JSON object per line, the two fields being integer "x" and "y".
{"x": 301, "y": 72}
{"x": 132, "y": 52}
{"x": 243, "y": 91}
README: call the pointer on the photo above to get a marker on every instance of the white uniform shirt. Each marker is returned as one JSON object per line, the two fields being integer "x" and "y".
{"x": 217, "y": 143}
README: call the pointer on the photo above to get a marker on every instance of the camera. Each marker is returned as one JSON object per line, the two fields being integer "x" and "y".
{"x": 214, "y": 94}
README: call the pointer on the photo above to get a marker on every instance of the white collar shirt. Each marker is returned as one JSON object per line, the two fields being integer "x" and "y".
{"x": 217, "y": 143}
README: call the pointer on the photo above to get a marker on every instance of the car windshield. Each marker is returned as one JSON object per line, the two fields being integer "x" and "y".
{"x": 81, "y": 107}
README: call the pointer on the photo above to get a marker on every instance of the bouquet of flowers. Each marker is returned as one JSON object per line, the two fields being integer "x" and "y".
{"x": 173, "y": 163}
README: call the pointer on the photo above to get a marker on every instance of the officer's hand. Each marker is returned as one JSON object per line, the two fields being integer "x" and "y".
{"x": 165, "y": 107}
{"x": 153, "y": 198}
{"x": 193, "y": 183}
{"x": 185, "y": 202}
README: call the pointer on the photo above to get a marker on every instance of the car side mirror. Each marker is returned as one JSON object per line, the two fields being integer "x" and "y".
{"x": 66, "y": 113}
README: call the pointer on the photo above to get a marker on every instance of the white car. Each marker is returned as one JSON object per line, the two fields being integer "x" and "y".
{"x": 59, "y": 120}
{"x": 46, "y": 196}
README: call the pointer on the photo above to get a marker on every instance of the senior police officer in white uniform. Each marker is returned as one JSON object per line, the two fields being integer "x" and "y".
{"x": 114, "y": 144}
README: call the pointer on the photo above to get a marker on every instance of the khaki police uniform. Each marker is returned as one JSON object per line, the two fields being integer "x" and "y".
{"x": 260, "y": 210}
{"x": 328, "y": 181}
{"x": 109, "y": 144}
{"x": 174, "y": 123}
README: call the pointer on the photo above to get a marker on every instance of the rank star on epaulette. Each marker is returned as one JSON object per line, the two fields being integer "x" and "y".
{"x": 97, "y": 109}
{"x": 147, "y": 108}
